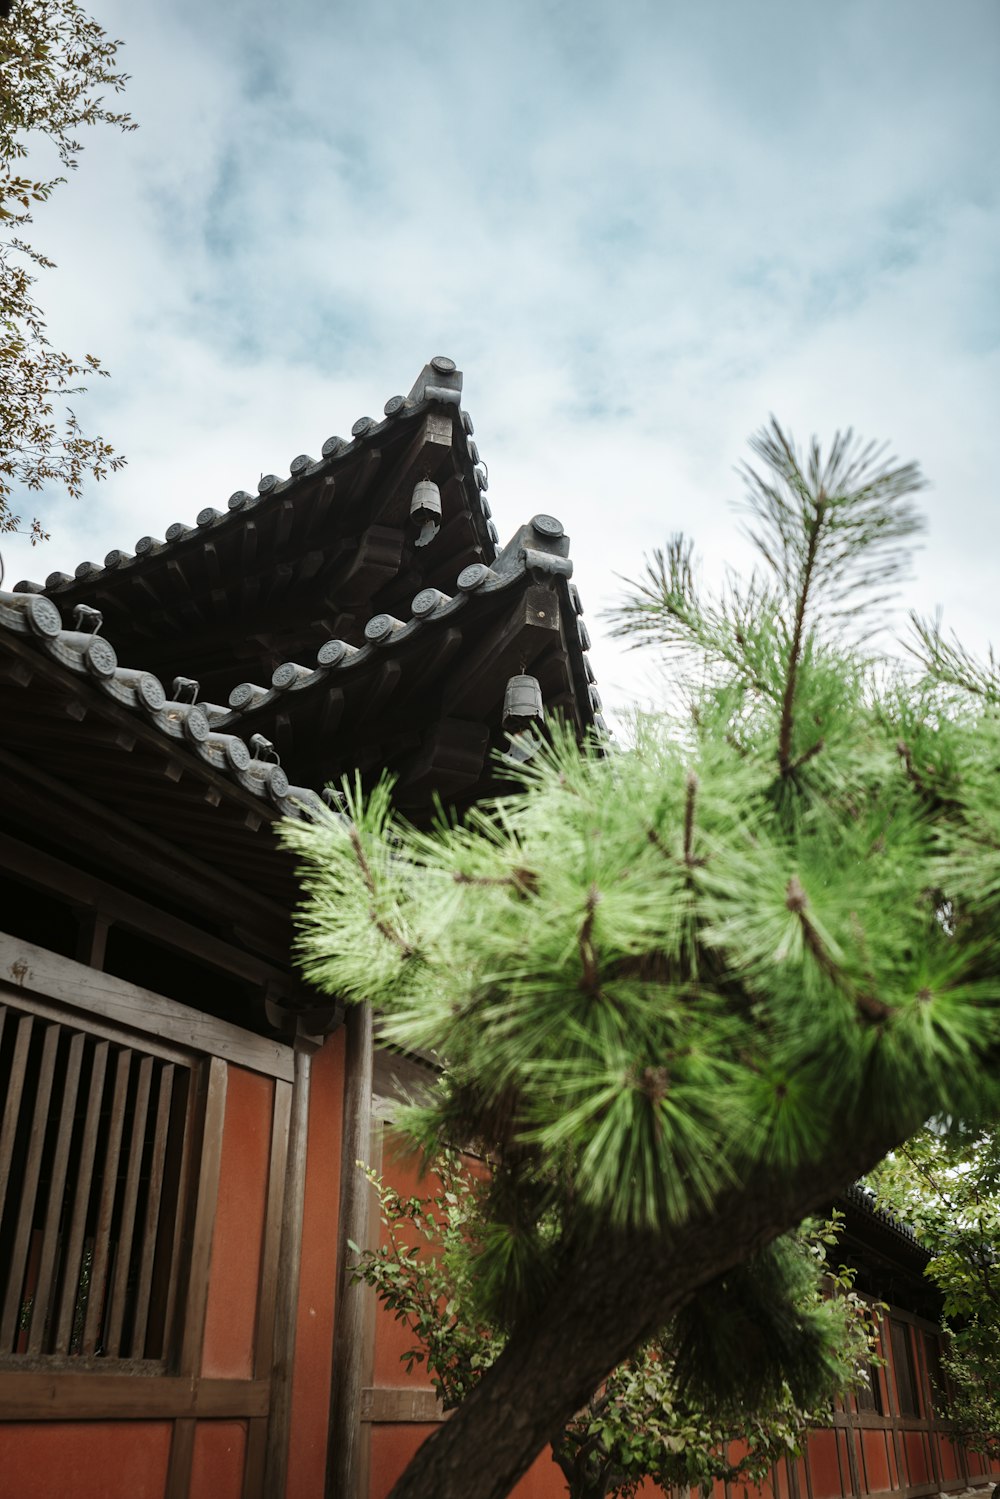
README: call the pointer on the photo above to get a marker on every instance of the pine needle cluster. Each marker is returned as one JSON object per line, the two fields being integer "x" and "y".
{"x": 654, "y": 971}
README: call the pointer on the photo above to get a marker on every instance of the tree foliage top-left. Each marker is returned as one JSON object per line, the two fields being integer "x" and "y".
{"x": 56, "y": 66}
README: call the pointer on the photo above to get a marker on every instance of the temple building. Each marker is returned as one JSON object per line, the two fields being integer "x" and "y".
{"x": 180, "y": 1114}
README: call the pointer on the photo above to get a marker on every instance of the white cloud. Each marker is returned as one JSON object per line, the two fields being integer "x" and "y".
{"x": 638, "y": 231}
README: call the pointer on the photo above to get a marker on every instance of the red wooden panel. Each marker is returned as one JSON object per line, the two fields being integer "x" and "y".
{"x": 917, "y": 1464}
{"x": 975, "y": 1465}
{"x": 239, "y": 1226}
{"x": 845, "y": 1466}
{"x": 949, "y": 1458}
{"x": 89, "y": 1460}
{"x": 392, "y": 1449}
{"x": 393, "y": 1338}
{"x": 876, "y": 1461}
{"x": 895, "y": 1481}
{"x": 824, "y": 1469}
{"x": 781, "y": 1471}
{"x": 800, "y": 1475}
{"x": 314, "y": 1330}
{"x": 217, "y": 1461}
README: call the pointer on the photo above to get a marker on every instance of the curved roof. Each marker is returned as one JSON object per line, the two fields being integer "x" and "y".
{"x": 259, "y": 579}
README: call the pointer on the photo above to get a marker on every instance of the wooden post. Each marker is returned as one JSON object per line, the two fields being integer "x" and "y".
{"x": 287, "y": 1288}
{"x": 344, "y": 1438}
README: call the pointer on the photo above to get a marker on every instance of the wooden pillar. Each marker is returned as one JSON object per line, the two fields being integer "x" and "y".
{"x": 343, "y": 1452}
{"x": 287, "y": 1289}
{"x": 92, "y": 939}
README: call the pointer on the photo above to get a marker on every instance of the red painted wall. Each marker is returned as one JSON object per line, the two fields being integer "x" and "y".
{"x": 217, "y": 1461}
{"x": 87, "y": 1460}
{"x": 239, "y": 1226}
{"x": 876, "y": 1458}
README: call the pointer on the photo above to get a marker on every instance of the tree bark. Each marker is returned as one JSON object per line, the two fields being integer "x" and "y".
{"x": 616, "y": 1290}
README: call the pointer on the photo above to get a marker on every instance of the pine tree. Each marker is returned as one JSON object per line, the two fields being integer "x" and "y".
{"x": 685, "y": 991}
{"x": 641, "y": 1422}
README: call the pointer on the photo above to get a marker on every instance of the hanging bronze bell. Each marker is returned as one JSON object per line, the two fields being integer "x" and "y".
{"x": 522, "y": 704}
{"x": 425, "y": 509}
{"x": 426, "y": 502}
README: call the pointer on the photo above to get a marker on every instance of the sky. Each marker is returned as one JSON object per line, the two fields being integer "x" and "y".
{"x": 638, "y": 228}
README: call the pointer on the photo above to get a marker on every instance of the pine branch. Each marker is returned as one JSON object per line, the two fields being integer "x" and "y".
{"x": 381, "y": 925}
{"x": 588, "y": 955}
{"x": 795, "y": 652}
{"x": 949, "y": 663}
{"x": 797, "y": 902}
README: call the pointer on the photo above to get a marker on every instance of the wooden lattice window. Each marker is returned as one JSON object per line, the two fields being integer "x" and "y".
{"x": 94, "y": 1136}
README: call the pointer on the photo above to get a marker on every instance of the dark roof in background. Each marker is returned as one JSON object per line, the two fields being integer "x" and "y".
{"x": 889, "y": 1257}
{"x": 417, "y": 688}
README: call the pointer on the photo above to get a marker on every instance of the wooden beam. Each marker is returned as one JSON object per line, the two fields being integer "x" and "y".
{"x": 42, "y": 976}
{"x": 92, "y": 938}
{"x": 18, "y": 1251}
{"x": 450, "y": 758}
{"x": 46, "y": 804}
{"x": 145, "y": 1391}
{"x": 286, "y": 1289}
{"x": 111, "y": 904}
{"x": 427, "y": 456}
{"x": 54, "y": 1205}
{"x": 366, "y": 1367}
{"x": 192, "y": 1309}
{"x": 401, "y": 1403}
{"x": 525, "y": 630}
{"x": 253, "y": 1459}
{"x": 371, "y": 562}
{"x": 270, "y": 1258}
{"x": 344, "y": 1437}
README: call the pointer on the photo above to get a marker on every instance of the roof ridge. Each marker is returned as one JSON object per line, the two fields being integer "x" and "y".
{"x": 439, "y": 385}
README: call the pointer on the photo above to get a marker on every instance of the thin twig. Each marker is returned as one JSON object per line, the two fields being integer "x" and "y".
{"x": 524, "y": 881}
{"x": 814, "y": 749}
{"x": 588, "y": 956}
{"x": 689, "y": 803}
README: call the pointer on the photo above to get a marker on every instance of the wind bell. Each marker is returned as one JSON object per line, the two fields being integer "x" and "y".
{"x": 425, "y": 509}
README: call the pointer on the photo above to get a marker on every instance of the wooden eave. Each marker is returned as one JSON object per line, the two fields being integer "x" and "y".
{"x": 71, "y": 754}
{"x": 890, "y": 1258}
{"x": 424, "y": 701}
{"x": 423, "y": 696}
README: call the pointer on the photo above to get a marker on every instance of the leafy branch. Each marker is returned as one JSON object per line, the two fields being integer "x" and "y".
{"x": 55, "y": 61}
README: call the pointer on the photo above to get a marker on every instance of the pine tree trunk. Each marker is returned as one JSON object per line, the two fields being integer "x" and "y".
{"x": 616, "y": 1290}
